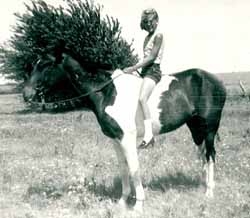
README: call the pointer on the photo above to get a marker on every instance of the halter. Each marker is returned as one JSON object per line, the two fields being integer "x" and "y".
{"x": 50, "y": 105}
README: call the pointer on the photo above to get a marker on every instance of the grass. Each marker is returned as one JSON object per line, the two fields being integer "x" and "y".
{"x": 10, "y": 88}
{"x": 61, "y": 165}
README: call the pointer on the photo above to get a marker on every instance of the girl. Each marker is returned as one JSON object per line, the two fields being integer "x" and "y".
{"x": 150, "y": 67}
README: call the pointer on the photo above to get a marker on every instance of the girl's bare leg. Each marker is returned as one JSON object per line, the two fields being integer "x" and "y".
{"x": 146, "y": 90}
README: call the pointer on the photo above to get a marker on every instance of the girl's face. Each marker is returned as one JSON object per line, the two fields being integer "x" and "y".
{"x": 150, "y": 24}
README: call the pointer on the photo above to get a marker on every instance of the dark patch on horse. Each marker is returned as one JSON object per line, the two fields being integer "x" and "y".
{"x": 197, "y": 99}
{"x": 110, "y": 127}
{"x": 198, "y": 127}
{"x": 98, "y": 100}
{"x": 175, "y": 107}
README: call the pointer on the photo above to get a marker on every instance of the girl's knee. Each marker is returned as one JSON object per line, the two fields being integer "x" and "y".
{"x": 142, "y": 99}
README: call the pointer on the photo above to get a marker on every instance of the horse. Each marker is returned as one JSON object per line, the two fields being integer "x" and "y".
{"x": 193, "y": 97}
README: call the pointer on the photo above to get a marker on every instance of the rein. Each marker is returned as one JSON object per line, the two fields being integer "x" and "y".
{"x": 50, "y": 105}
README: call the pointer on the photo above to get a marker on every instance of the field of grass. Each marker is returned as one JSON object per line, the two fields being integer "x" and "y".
{"x": 232, "y": 82}
{"x": 10, "y": 88}
{"x": 62, "y": 166}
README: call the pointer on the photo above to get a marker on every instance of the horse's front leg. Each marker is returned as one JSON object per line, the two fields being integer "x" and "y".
{"x": 126, "y": 189}
{"x": 128, "y": 144}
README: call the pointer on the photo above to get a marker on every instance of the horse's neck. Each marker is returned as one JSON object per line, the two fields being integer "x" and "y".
{"x": 128, "y": 90}
{"x": 101, "y": 93}
{"x": 126, "y": 101}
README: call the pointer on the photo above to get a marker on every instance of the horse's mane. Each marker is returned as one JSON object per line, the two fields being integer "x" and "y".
{"x": 84, "y": 72}
{"x": 92, "y": 68}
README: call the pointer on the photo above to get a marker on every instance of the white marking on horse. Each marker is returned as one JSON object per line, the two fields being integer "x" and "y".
{"x": 155, "y": 99}
{"x": 126, "y": 101}
{"x": 126, "y": 110}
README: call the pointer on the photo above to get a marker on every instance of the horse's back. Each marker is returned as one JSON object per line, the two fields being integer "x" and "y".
{"x": 174, "y": 100}
{"x": 193, "y": 92}
{"x": 202, "y": 88}
{"x": 202, "y": 79}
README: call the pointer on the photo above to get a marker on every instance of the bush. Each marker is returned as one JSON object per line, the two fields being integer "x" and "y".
{"x": 78, "y": 30}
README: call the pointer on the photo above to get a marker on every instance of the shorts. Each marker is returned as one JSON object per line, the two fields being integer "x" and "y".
{"x": 152, "y": 71}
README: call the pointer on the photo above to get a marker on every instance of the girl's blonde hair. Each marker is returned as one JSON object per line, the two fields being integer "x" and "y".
{"x": 146, "y": 14}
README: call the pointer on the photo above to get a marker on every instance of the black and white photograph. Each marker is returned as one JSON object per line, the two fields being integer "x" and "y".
{"x": 122, "y": 109}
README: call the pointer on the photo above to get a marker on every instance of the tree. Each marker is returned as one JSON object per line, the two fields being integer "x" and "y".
{"x": 79, "y": 29}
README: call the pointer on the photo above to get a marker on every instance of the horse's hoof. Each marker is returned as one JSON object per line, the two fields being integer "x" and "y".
{"x": 138, "y": 208}
{"x": 122, "y": 204}
{"x": 209, "y": 193}
{"x": 145, "y": 144}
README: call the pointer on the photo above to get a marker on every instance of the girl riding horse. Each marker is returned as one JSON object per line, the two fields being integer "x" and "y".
{"x": 151, "y": 72}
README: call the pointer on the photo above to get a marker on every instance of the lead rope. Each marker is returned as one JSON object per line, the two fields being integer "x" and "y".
{"x": 44, "y": 105}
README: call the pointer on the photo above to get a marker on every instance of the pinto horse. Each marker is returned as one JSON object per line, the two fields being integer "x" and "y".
{"x": 193, "y": 97}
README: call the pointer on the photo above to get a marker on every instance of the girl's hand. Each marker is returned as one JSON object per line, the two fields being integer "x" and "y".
{"x": 128, "y": 70}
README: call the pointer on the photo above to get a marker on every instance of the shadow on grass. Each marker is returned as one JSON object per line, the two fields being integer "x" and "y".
{"x": 53, "y": 188}
{"x": 113, "y": 191}
{"x": 176, "y": 181}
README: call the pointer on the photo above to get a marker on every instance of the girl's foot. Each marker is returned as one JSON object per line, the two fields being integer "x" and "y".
{"x": 145, "y": 144}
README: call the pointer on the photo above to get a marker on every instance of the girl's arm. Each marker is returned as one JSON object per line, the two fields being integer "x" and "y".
{"x": 151, "y": 58}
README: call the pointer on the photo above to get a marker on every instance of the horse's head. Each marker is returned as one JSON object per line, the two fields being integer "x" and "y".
{"x": 51, "y": 77}
{"x": 39, "y": 75}
{"x": 47, "y": 73}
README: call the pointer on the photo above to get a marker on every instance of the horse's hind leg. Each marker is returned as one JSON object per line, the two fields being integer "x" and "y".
{"x": 198, "y": 126}
{"x": 201, "y": 153}
{"x": 206, "y": 152}
{"x": 209, "y": 167}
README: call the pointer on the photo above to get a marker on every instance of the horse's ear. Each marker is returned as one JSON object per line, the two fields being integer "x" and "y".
{"x": 58, "y": 51}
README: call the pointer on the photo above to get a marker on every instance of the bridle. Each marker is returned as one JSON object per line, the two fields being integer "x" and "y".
{"x": 51, "y": 105}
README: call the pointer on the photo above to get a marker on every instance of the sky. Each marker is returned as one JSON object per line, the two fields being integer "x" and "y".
{"x": 210, "y": 34}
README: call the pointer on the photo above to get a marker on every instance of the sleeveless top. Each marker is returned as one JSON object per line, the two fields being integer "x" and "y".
{"x": 149, "y": 46}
